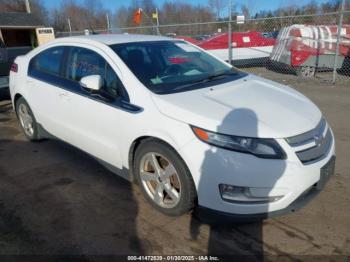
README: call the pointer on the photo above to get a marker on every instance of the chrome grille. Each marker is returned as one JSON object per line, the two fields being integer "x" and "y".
{"x": 313, "y": 145}
{"x": 307, "y": 137}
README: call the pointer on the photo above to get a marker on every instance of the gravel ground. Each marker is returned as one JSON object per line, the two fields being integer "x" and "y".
{"x": 56, "y": 200}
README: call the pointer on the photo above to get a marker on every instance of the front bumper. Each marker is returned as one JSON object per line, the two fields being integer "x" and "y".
{"x": 211, "y": 166}
{"x": 214, "y": 216}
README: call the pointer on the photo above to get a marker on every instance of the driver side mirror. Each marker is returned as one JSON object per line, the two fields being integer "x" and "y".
{"x": 92, "y": 82}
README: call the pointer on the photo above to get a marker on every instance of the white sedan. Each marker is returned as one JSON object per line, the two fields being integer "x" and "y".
{"x": 191, "y": 130}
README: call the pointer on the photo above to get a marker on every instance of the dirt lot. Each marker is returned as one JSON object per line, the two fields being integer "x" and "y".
{"x": 57, "y": 200}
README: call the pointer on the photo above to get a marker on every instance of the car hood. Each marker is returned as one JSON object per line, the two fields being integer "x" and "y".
{"x": 251, "y": 106}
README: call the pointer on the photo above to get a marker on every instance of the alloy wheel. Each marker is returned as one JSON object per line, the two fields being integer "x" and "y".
{"x": 26, "y": 120}
{"x": 160, "y": 180}
{"x": 307, "y": 71}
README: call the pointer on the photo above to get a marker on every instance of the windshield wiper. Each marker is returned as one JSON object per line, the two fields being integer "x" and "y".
{"x": 204, "y": 80}
{"x": 218, "y": 75}
{"x": 213, "y": 77}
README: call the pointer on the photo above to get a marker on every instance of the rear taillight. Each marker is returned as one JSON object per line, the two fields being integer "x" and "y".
{"x": 14, "y": 67}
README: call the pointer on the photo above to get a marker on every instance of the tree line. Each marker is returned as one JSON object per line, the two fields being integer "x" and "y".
{"x": 92, "y": 15}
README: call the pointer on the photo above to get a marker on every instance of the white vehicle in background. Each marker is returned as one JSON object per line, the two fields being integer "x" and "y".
{"x": 310, "y": 48}
{"x": 192, "y": 130}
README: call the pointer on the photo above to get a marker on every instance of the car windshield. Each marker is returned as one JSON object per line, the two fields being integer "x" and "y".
{"x": 174, "y": 66}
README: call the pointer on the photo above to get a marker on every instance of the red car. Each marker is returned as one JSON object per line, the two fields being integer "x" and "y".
{"x": 248, "y": 47}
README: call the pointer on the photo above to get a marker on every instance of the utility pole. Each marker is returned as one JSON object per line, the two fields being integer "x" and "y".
{"x": 341, "y": 18}
{"x": 230, "y": 33}
{"x": 157, "y": 21}
{"x": 108, "y": 23}
{"x": 69, "y": 26}
{"x": 27, "y": 6}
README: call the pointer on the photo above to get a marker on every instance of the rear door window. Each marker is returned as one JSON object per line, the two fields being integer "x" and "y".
{"x": 48, "y": 61}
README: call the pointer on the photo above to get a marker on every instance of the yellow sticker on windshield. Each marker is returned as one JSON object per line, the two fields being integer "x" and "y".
{"x": 156, "y": 80}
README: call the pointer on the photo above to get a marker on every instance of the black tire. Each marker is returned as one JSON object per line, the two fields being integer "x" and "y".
{"x": 188, "y": 191}
{"x": 4, "y": 94}
{"x": 268, "y": 64}
{"x": 35, "y": 136}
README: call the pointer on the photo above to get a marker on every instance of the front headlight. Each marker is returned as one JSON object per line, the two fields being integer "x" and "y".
{"x": 260, "y": 147}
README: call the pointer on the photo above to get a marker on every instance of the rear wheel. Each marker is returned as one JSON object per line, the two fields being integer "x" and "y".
{"x": 164, "y": 179}
{"x": 27, "y": 120}
{"x": 306, "y": 71}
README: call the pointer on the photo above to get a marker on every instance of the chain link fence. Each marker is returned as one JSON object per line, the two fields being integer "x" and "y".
{"x": 297, "y": 47}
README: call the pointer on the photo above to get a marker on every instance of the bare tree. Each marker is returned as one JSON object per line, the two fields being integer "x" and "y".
{"x": 148, "y": 6}
{"x": 12, "y": 6}
{"x": 87, "y": 15}
{"x": 121, "y": 16}
{"x": 217, "y": 6}
{"x": 95, "y": 16}
{"x": 245, "y": 11}
{"x": 39, "y": 10}
{"x": 58, "y": 20}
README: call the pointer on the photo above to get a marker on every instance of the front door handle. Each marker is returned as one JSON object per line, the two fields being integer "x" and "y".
{"x": 64, "y": 96}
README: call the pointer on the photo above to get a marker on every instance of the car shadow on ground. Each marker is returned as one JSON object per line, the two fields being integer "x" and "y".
{"x": 69, "y": 205}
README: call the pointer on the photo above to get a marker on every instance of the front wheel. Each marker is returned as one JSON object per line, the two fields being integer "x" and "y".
{"x": 164, "y": 179}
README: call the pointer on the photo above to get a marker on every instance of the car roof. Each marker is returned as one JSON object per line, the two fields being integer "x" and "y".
{"x": 110, "y": 39}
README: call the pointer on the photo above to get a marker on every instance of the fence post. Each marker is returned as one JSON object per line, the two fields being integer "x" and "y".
{"x": 230, "y": 33}
{"x": 340, "y": 25}
{"x": 69, "y": 26}
{"x": 158, "y": 32}
{"x": 108, "y": 23}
